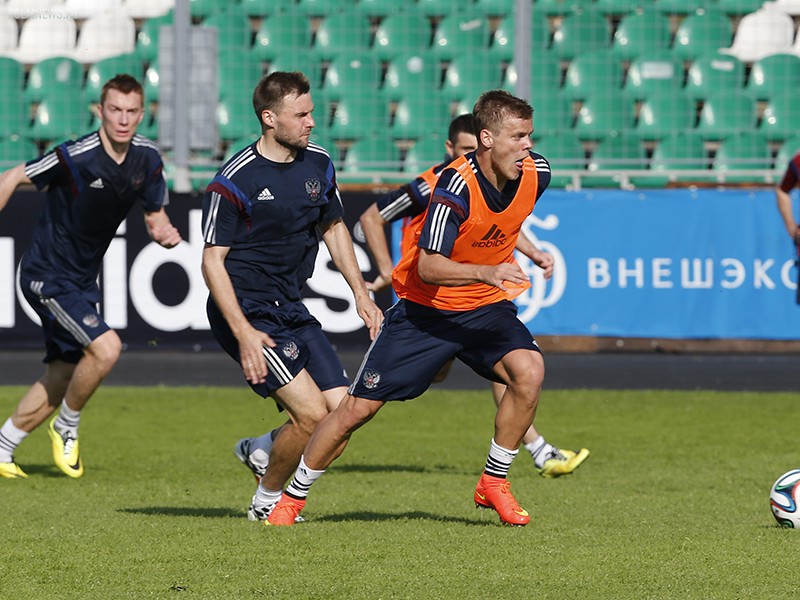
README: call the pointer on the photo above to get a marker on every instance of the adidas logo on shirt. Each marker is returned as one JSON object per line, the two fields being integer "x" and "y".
{"x": 493, "y": 237}
{"x": 97, "y": 184}
{"x": 266, "y": 195}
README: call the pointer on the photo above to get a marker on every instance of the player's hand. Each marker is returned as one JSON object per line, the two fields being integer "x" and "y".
{"x": 497, "y": 275}
{"x": 371, "y": 314}
{"x": 544, "y": 261}
{"x": 166, "y": 235}
{"x": 251, "y": 354}
{"x": 380, "y": 283}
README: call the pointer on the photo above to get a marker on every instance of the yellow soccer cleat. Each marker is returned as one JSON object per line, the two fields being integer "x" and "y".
{"x": 11, "y": 470}
{"x": 66, "y": 452}
{"x": 563, "y": 463}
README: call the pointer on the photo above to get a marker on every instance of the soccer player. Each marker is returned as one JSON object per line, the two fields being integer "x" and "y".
{"x": 455, "y": 301}
{"x": 790, "y": 180}
{"x": 409, "y": 203}
{"x": 92, "y": 183}
{"x": 261, "y": 216}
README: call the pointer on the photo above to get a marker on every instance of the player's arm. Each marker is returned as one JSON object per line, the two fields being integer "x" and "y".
{"x": 251, "y": 341}
{"x": 437, "y": 269}
{"x": 340, "y": 246}
{"x": 161, "y": 230}
{"x": 10, "y": 180}
{"x": 785, "y": 209}
{"x": 541, "y": 259}
{"x": 373, "y": 225}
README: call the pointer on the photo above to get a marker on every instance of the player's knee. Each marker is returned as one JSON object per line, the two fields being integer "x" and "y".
{"x": 105, "y": 350}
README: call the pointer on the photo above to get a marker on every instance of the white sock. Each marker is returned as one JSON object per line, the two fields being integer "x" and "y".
{"x": 302, "y": 480}
{"x": 540, "y": 450}
{"x": 10, "y": 437}
{"x": 67, "y": 420}
{"x": 265, "y": 497}
{"x": 499, "y": 460}
{"x": 260, "y": 448}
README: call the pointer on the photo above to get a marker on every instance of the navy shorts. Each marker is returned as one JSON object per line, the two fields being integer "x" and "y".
{"x": 301, "y": 344}
{"x": 415, "y": 341}
{"x": 70, "y": 316}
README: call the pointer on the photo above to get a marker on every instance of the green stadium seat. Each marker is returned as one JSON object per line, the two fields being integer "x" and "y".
{"x": 233, "y": 28}
{"x": 57, "y": 76}
{"x": 344, "y": 32}
{"x": 305, "y": 62}
{"x": 678, "y": 152}
{"x": 147, "y": 38}
{"x": 261, "y": 9}
{"x": 105, "y": 69}
{"x": 726, "y": 113}
{"x": 503, "y": 37}
{"x": 738, "y": 7}
{"x": 494, "y": 8}
{"x": 620, "y": 8}
{"x": 440, "y": 8}
{"x": 558, "y": 8}
{"x": 741, "y": 151}
{"x": 372, "y": 154}
{"x": 409, "y": 73}
{"x": 16, "y": 150}
{"x": 14, "y": 115}
{"x": 152, "y": 82}
{"x": 321, "y": 8}
{"x": 545, "y": 73}
{"x": 58, "y": 118}
{"x": 564, "y": 151}
{"x": 281, "y": 35}
{"x": 774, "y": 75}
{"x": 416, "y": 116}
{"x": 641, "y": 33}
{"x": 702, "y": 32}
{"x": 236, "y": 118}
{"x": 12, "y": 75}
{"x": 781, "y": 117}
{"x": 401, "y": 33}
{"x": 663, "y": 114}
{"x": 206, "y": 8}
{"x": 148, "y": 127}
{"x": 425, "y": 153}
{"x": 786, "y": 152}
{"x": 238, "y": 72}
{"x": 653, "y": 74}
{"x": 460, "y": 33}
{"x": 602, "y": 115}
{"x": 711, "y": 73}
{"x": 235, "y": 146}
{"x": 593, "y": 74}
{"x": 469, "y": 75}
{"x": 681, "y": 7}
{"x": 616, "y": 153}
{"x": 552, "y": 113}
{"x": 379, "y": 9}
{"x": 359, "y": 115}
{"x": 352, "y": 73}
{"x": 581, "y": 33}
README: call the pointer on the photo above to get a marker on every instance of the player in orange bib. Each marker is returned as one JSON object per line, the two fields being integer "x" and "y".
{"x": 455, "y": 287}
{"x": 409, "y": 203}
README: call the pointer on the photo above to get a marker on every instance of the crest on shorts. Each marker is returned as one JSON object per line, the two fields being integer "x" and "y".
{"x": 291, "y": 351}
{"x": 371, "y": 379}
{"x": 91, "y": 320}
{"x": 313, "y": 189}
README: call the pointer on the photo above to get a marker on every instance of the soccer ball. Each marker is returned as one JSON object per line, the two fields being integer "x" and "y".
{"x": 784, "y": 499}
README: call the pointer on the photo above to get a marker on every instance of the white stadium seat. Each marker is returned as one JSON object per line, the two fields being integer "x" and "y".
{"x": 29, "y": 9}
{"x": 105, "y": 35}
{"x": 147, "y": 9}
{"x": 43, "y": 37}
{"x": 9, "y": 33}
{"x": 83, "y": 9}
{"x": 762, "y": 33}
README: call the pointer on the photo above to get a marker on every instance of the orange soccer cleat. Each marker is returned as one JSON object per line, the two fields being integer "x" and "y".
{"x": 286, "y": 512}
{"x": 495, "y": 493}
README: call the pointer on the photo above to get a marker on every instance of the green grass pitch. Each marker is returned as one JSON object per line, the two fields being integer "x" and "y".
{"x": 672, "y": 503}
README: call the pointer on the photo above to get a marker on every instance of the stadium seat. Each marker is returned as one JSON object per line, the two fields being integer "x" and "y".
{"x": 545, "y": 73}
{"x": 503, "y": 37}
{"x": 344, "y": 32}
{"x": 408, "y": 73}
{"x": 12, "y": 75}
{"x": 494, "y": 8}
{"x": 56, "y": 76}
{"x": 321, "y": 8}
{"x": 359, "y": 115}
{"x": 652, "y": 74}
{"x": 681, "y": 7}
{"x": 615, "y": 153}
{"x": 205, "y": 8}
{"x": 235, "y": 117}
{"x": 678, "y": 152}
{"x": 9, "y": 33}
{"x": 774, "y": 75}
{"x": 781, "y": 117}
{"x": 725, "y": 113}
{"x": 425, "y": 152}
{"x": 358, "y": 73}
{"x": 460, "y": 33}
{"x": 665, "y": 113}
{"x": 740, "y": 151}
{"x": 378, "y": 9}
{"x": 439, "y": 8}
{"x": 738, "y": 7}
{"x": 152, "y": 81}
{"x": 16, "y": 150}
{"x": 641, "y": 32}
{"x": 593, "y": 74}
{"x": 469, "y": 75}
{"x": 790, "y": 7}
{"x": 559, "y": 8}
{"x": 552, "y": 112}
{"x": 42, "y": 37}
{"x": 147, "y": 9}
{"x": 416, "y": 116}
{"x": 712, "y": 73}
{"x": 581, "y": 33}
{"x": 58, "y": 118}
{"x": 401, "y": 33}
{"x": 786, "y": 152}
{"x": 147, "y": 38}
{"x": 105, "y": 69}
{"x": 700, "y": 33}
{"x": 305, "y": 62}
{"x": 604, "y": 114}
{"x": 233, "y": 28}
{"x": 238, "y": 72}
{"x": 564, "y": 151}
{"x": 372, "y": 154}
{"x": 620, "y": 8}
{"x": 104, "y": 35}
{"x": 282, "y": 34}
{"x": 760, "y": 34}
{"x": 27, "y": 9}
{"x": 14, "y": 115}
{"x": 83, "y": 9}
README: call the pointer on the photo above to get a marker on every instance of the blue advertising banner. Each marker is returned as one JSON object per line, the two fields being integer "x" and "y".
{"x": 678, "y": 264}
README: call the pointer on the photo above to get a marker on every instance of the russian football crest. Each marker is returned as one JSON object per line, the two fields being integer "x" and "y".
{"x": 91, "y": 320}
{"x": 313, "y": 189}
{"x": 291, "y": 351}
{"x": 371, "y": 379}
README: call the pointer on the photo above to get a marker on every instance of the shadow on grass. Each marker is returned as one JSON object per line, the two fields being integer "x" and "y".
{"x": 362, "y": 468}
{"x": 44, "y": 471}
{"x": 370, "y": 516}
{"x": 183, "y": 511}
